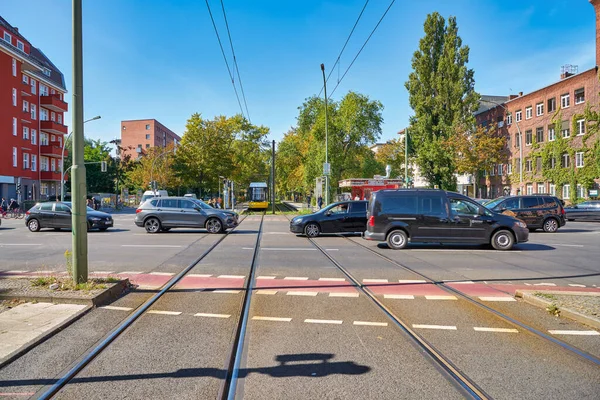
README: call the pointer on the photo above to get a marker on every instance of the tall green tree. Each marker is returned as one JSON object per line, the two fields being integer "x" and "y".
{"x": 94, "y": 152}
{"x": 442, "y": 96}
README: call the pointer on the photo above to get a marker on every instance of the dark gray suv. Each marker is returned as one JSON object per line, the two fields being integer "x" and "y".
{"x": 160, "y": 214}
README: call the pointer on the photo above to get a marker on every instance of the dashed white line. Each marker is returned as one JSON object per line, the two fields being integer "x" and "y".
{"x": 444, "y": 327}
{"x": 199, "y": 275}
{"x": 130, "y": 273}
{"x": 399, "y": 296}
{"x": 567, "y": 245}
{"x": 335, "y": 294}
{"x": 288, "y": 249}
{"x": 116, "y": 308}
{"x": 265, "y": 277}
{"x": 208, "y": 315}
{"x": 226, "y": 291}
{"x": 503, "y": 330}
{"x": 323, "y": 321}
{"x": 587, "y": 333}
{"x": 576, "y": 285}
{"x": 544, "y": 284}
{"x": 497, "y": 298}
{"x": 280, "y": 319}
{"x": 295, "y": 278}
{"x": 333, "y": 279}
{"x": 366, "y": 323}
{"x": 460, "y": 282}
{"x": 375, "y": 281}
{"x": 411, "y": 281}
{"x": 17, "y": 271}
{"x": 332, "y": 249}
{"x": 265, "y": 291}
{"x": 231, "y": 276}
{"x": 150, "y": 245}
{"x": 20, "y": 244}
{"x": 164, "y": 312}
{"x": 440, "y": 297}
{"x": 300, "y": 293}
{"x": 102, "y": 272}
{"x": 162, "y": 273}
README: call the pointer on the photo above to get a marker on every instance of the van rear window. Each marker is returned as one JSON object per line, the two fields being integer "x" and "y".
{"x": 397, "y": 204}
{"x": 430, "y": 204}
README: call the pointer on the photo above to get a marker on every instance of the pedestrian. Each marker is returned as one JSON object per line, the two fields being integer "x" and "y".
{"x": 3, "y": 205}
{"x": 320, "y": 202}
{"x": 90, "y": 203}
{"x": 219, "y": 200}
{"x": 357, "y": 197}
{"x": 308, "y": 200}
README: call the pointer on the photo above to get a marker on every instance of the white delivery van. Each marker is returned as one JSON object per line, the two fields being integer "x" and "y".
{"x": 153, "y": 193}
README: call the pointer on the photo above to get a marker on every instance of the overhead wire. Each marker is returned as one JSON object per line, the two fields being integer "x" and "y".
{"x": 363, "y": 46}
{"x": 343, "y": 48}
{"x": 225, "y": 58}
{"x": 235, "y": 63}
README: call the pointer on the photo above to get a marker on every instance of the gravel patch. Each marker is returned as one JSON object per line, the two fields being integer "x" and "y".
{"x": 588, "y": 305}
{"x": 24, "y": 288}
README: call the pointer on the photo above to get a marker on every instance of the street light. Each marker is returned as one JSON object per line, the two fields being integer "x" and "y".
{"x": 326, "y": 165}
{"x": 62, "y": 160}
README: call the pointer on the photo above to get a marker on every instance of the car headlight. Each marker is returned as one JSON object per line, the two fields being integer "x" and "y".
{"x": 521, "y": 224}
{"x": 296, "y": 221}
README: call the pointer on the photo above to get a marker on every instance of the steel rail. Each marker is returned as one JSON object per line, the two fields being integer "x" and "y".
{"x": 116, "y": 332}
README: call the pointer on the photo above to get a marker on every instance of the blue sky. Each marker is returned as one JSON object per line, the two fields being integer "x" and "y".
{"x": 160, "y": 59}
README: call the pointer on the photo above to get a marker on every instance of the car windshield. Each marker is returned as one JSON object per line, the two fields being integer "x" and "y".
{"x": 202, "y": 204}
{"x": 68, "y": 204}
{"x": 493, "y": 203}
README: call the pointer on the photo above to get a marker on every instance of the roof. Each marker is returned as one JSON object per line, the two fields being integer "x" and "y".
{"x": 490, "y": 101}
{"x": 258, "y": 184}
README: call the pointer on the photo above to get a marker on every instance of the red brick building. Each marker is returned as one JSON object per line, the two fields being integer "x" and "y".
{"x": 137, "y": 136}
{"x": 548, "y": 136}
{"x": 32, "y": 125}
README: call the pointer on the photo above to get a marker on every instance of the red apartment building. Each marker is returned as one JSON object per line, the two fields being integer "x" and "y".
{"x": 532, "y": 121}
{"x": 32, "y": 128}
{"x": 137, "y": 136}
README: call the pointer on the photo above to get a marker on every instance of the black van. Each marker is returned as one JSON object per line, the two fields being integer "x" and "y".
{"x": 537, "y": 211}
{"x": 438, "y": 216}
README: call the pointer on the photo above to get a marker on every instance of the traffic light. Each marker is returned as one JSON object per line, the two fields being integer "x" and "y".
{"x": 18, "y": 188}
{"x": 103, "y": 166}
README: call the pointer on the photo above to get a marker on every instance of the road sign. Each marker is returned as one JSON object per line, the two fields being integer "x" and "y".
{"x": 326, "y": 168}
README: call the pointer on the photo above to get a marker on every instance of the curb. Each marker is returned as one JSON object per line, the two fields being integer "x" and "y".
{"x": 529, "y": 297}
{"x": 102, "y": 298}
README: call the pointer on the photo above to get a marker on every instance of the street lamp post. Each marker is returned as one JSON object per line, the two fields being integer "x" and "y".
{"x": 326, "y": 166}
{"x": 62, "y": 160}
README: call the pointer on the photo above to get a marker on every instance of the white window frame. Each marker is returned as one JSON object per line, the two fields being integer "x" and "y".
{"x": 552, "y": 189}
{"x": 33, "y": 112}
{"x": 579, "y": 163}
{"x": 33, "y": 86}
{"x": 539, "y": 109}
{"x": 20, "y": 46}
{"x": 60, "y": 119}
{"x": 53, "y": 165}
{"x": 15, "y": 156}
{"x": 44, "y": 164}
{"x": 528, "y": 137}
{"x": 566, "y": 133}
{"x": 25, "y": 133}
{"x": 541, "y": 188}
{"x": 529, "y": 189}
{"x": 528, "y": 112}
{"x": 509, "y": 119}
{"x": 528, "y": 165}
{"x": 565, "y": 100}
{"x": 34, "y": 137}
{"x": 47, "y": 72}
{"x": 7, "y": 37}
{"x": 518, "y": 116}
{"x": 551, "y": 134}
{"x": 500, "y": 169}
{"x": 52, "y": 116}
{"x": 33, "y": 162}
{"x": 25, "y": 160}
{"x": 14, "y": 67}
{"x": 580, "y": 127}
{"x": 14, "y": 126}
{"x": 509, "y": 168}
{"x": 43, "y": 139}
{"x": 25, "y": 79}
{"x": 43, "y": 114}
{"x": 44, "y": 188}
{"x": 25, "y": 106}
{"x": 566, "y": 191}
{"x": 567, "y": 157}
{"x": 14, "y": 97}
{"x": 581, "y": 192}
{"x": 582, "y": 99}
{"x": 43, "y": 90}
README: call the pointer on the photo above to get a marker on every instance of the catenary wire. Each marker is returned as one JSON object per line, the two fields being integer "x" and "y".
{"x": 235, "y": 63}
{"x": 363, "y": 46}
{"x": 225, "y": 58}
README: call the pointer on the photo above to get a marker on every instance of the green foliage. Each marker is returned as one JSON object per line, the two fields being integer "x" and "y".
{"x": 94, "y": 152}
{"x": 442, "y": 95}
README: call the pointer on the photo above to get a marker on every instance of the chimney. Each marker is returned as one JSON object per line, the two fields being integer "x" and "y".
{"x": 520, "y": 94}
{"x": 596, "y": 4}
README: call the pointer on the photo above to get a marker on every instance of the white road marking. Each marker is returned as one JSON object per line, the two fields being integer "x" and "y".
{"x": 226, "y": 291}
{"x": 323, "y": 321}
{"x": 399, "y": 296}
{"x": 295, "y": 278}
{"x": 247, "y": 248}
{"x": 278, "y": 233}
{"x": 335, "y": 294}
{"x": 412, "y": 280}
{"x": 460, "y": 282}
{"x": 504, "y": 330}
{"x": 288, "y": 249}
{"x": 544, "y": 284}
{"x": 445, "y": 327}
{"x": 333, "y": 279}
{"x": 440, "y": 297}
{"x": 102, "y": 272}
{"x": 130, "y": 273}
{"x": 162, "y": 273}
{"x": 465, "y": 250}
{"x": 576, "y": 285}
{"x": 116, "y": 308}
{"x": 590, "y": 333}
{"x": 299, "y": 293}
{"x": 266, "y": 291}
{"x": 164, "y": 312}
{"x": 265, "y": 277}
{"x": 375, "y": 281}
{"x": 332, "y": 249}
{"x": 271, "y": 319}
{"x": 16, "y": 271}
{"x": 20, "y": 244}
{"x": 567, "y": 245}
{"x": 497, "y": 298}
{"x": 151, "y": 245}
{"x": 231, "y": 276}
{"x": 212, "y": 315}
{"x": 365, "y": 323}
{"x": 199, "y": 275}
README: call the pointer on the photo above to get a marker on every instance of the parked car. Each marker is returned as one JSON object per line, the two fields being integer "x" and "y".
{"x": 191, "y": 195}
{"x": 586, "y": 211}
{"x": 148, "y": 194}
{"x": 161, "y": 214}
{"x": 57, "y": 215}
{"x": 345, "y": 216}
{"x": 537, "y": 211}
{"x": 437, "y": 216}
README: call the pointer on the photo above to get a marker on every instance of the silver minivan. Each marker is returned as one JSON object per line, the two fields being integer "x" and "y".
{"x": 160, "y": 214}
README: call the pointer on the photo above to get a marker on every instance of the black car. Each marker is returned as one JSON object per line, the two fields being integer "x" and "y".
{"x": 537, "y": 211}
{"x": 586, "y": 211}
{"x": 57, "y": 215}
{"x": 438, "y": 216}
{"x": 345, "y": 216}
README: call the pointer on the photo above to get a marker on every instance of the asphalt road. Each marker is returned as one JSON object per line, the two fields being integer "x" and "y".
{"x": 311, "y": 333}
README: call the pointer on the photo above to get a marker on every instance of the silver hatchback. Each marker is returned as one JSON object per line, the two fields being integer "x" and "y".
{"x": 160, "y": 214}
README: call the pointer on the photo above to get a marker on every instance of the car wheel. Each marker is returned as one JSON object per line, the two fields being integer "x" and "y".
{"x": 503, "y": 240}
{"x": 33, "y": 225}
{"x": 550, "y": 225}
{"x": 312, "y": 230}
{"x": 152, "y": 225}
{"x": 214, "y": 225}
{"x": 397, "y": 240}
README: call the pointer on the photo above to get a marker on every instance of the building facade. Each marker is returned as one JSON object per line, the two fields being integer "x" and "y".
{"x": 138, "y": 136}
{"x": 32, "y": 126}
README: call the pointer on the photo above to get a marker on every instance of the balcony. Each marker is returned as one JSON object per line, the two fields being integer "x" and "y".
{"x": 54, "y": 103}
{"x": 52, "y": 151}
{"x": 53, "y": 127}
{"x": 50, "y": 175}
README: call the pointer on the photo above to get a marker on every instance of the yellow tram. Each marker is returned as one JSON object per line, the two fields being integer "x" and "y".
{"x": 258, "y": 196}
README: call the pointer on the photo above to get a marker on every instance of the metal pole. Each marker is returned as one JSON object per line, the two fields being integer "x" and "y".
{"x": 78, "y": 183}
{"x": 326, "y": 139}
{"x": 406, "y": 158}
{"x": 273, "y": 178}
{"x": 62, "y": 169}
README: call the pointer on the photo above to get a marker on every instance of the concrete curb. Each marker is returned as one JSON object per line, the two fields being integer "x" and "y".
{"x": 529, "y": 297}
{"x": 100, "y": 299}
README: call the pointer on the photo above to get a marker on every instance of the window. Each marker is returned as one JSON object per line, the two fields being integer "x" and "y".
{"x": 581, "y": 192}
{"x": 25, "y": 106}
{"x": 44, "y": 164}
{"x": 147, "y": 136}
{"x": 33, "y": 112}
{"x": 511, "y": 204}
{"x": 566, "y": 132}
{"x": 541, "y": 188}
{"x": 33, "y": 162}
{"x": 552, "y": 189}
{"x": 580, "y": 127}
{"x": 43, "y": 139}
{"x": 43, "y": 114}
{"x": 551, "y": 133}
{"x": 53, "y": 165}
{"x": 14, "y": 156}
{"x": 20, "y": 45}
{"x": 518, "y": 164}
{"x": 187, "y": 204}
{"x": 52, "y": 116}
{"x": 7, "y": 37}
{"x": 552, "y": 104}
{"x": 25, "y": 133}
{"x": 25, "y": 79}
{"x": 566, "y": 160}
{"x": 60, "y": 144}
{"x": 528, "y": 137}
{"x": 579, "y": 159}
{"x": 60, "y": 119}
{"x": 530, "y": 202}
{"x": 52, "y": 138}
{"x": 463, "y": 207}
{"x": 538, "y": 164}
{"x": 43, "y": 90}
{"x": 14, "y": 126}
{"x": 528, "y": 165}
{"x": 33, "y": 136}
{"x": 508, "y": 141}
{"x": 565, "y": 100}
{"x": 147, "y": 145}
{"x": 509, "y": 169}
{"x": 500, "y": 169}
{"x": 566, "y": 192}
{"x": 14, "y": 97}
{"x": 33, "y": 87}
{"x": 14, "y": 67}
{"x": 528, "y": 112}
{"x": 509, "y": 119}
{"x": 493, "y": 171}
{"x": 539, "y": 134}
{"x": 579, "y": 96}
{"x": 517, "y": 140}
{"x": 519, "y": 116}
{"x": 25, "y": 160}
{"x": 552, "y": 162}
{"x": 539, "y": 109}
{"x": 44, "y": 191}
{"x": 147, "y": 127}
{"x": 47, "y": 72}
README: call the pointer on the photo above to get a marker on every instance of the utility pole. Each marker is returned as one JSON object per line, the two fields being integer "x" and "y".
{"x": 273, "y": 178}
{"x": 326, "y": 168}
{"x": 78, "y": 183}
{"x": 406, "y": 158}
